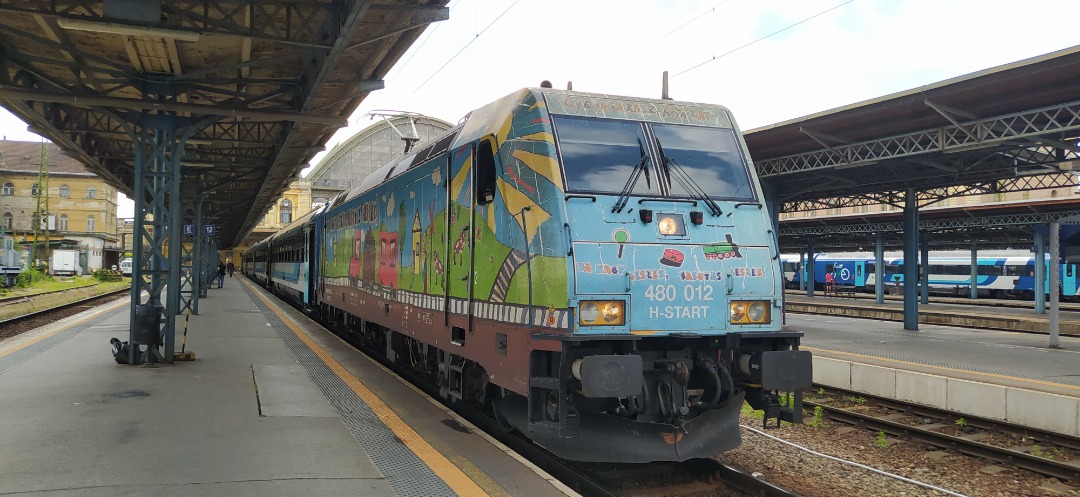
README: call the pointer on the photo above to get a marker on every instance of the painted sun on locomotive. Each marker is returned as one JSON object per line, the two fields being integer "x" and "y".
{"x": 599, "y": 270}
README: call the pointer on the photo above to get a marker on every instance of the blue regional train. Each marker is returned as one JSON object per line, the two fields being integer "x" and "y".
{"x": 1011, "y": 275}
{"x": 590, "y": 268}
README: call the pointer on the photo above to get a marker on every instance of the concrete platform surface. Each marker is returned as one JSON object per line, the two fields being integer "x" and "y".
{"x": 272, "y": 406}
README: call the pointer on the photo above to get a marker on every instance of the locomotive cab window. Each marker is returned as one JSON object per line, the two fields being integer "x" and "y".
{"x": 702, "y": 158}
{"x": 601, "y": 155}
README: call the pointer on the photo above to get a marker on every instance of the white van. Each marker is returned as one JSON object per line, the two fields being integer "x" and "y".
{"x": 125, "y": 267}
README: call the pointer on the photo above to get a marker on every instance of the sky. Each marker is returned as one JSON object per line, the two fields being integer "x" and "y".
{"x": 768, "y": 61}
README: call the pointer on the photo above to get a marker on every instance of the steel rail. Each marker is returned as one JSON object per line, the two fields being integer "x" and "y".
{"x": 963, "y": 445}
{"x": 61, "y": 307}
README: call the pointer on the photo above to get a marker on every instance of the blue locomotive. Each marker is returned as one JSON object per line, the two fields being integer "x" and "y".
{"x": 591, "y": 268}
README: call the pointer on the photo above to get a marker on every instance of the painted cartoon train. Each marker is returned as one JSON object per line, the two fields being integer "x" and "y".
{"x": 596, "y": 270}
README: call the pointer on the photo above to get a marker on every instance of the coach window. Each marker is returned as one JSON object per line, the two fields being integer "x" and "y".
{"x": 485, "y": 173}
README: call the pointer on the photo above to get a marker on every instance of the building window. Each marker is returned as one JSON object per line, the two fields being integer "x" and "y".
{"x": 90, "y": 223}
{"x": 9, "y": 189}
{"x": 91, "y": 192}
{"x": 34, "y": 190}
{"x": 63, "y": 222}
{"x": 9, "y": 221}
{"x": 65, "y": 192}
{"x": 286, "y": 211}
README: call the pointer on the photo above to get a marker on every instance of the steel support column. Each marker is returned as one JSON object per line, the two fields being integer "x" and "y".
{"x": 911, "y": 268}
{"x": 924, "y": 266}
{"x": 973, "y": 288}
{"x": 771, "y": 191}
{"x": 1040, "y": 273}
{"x": 810, "y": 278}
{"x": 1055, "y": 281}
{"x": 188, "y": 267}
{"x": 157, "y": 199}
{"x": 879, "y": 268}
{"x": 802, "y": 269}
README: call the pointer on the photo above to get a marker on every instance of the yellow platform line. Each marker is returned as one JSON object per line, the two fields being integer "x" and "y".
{"x": 458, "y": 481}
{"x": 955, "y": 370}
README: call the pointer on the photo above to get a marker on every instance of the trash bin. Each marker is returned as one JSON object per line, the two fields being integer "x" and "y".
{"x": 148, "y": 324}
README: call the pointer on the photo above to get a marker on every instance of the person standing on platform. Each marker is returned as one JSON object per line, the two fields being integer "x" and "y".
{"x": 829, "y": 280}
{"x": 230, "y": 267}
{"x": 220, "y": 274}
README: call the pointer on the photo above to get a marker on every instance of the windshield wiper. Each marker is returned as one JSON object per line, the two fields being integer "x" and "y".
{"x": 676, "y": 171}
{"x": 642, "y": 165}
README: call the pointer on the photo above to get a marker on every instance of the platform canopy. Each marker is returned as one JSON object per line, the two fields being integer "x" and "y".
{"x": 1013, "y": 127}
{"x": 255, "y": 87}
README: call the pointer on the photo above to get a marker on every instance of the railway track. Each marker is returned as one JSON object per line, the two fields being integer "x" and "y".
{"x": 25, "y": 322}
{"x": 695, "y": 478}
{"x": 1039, "y": 451}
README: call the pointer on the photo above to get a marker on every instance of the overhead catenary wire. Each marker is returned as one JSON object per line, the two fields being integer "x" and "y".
{"x": 451, "y": 59}
{"x": 428, "y": 34}
{"x": 736, "y": 49}
{"x": 653, "y": 42}
{"x": 774, "y": 33}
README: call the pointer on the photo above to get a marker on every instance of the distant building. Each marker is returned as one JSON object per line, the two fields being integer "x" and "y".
{"x": 352, "y": 160}
{"x": 81, "y": 211}
{"x": 344, "y": 167}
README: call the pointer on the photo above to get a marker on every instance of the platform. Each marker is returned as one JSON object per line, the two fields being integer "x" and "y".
{"x": 1004, "y": 375}
{"x": 272, "y": 406}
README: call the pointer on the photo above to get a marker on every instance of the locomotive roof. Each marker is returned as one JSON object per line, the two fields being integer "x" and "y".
{"x": 489, "y": 118}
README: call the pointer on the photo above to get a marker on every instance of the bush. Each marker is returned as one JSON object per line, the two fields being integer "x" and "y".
{"x": 108, "y": 275}
{"x": 28, "y": 277}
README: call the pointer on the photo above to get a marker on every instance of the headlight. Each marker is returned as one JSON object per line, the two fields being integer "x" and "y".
{"x": 749, "y": 312}
{"x": 602, "y": 313}
{"x": 588, "y": 312}
{"x": 738, "y": 312}
{"x": 612, "y": 313}
{"x": 671, "y": 225}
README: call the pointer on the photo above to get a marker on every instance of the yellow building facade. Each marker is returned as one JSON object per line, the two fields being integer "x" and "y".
{"x": 293, "y": 204}
{"x": 81, "y": 206}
